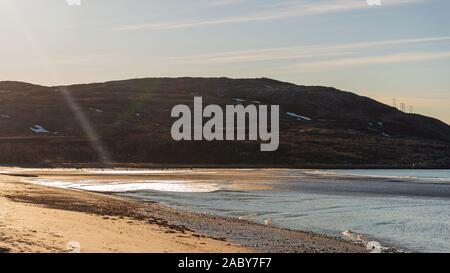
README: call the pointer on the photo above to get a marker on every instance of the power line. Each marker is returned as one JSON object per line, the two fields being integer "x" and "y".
{"x": 402, "y": 106}
{"x": 394, "y": 102}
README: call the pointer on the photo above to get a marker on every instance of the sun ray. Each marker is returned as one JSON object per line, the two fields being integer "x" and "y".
{"x": 89, "y": 130}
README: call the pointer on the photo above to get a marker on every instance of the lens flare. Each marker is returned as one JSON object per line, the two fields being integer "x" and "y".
{"x": 83, "y": 121}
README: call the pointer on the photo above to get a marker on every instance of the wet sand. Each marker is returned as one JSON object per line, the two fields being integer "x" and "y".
{"x": 36, "y": 218}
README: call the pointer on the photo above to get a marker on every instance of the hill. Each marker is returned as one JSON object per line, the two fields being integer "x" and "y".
{"x": 128, "y": 123}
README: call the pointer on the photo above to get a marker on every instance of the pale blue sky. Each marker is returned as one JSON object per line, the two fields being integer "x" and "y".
{"x": 399, "y": 49}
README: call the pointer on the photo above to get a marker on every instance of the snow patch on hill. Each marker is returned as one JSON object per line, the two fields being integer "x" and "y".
{"x": 297, "y": 116}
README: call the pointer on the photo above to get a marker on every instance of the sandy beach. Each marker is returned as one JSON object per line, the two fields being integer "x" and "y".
{"x": 36, "y": 218}
{"x": 28, "y": 226}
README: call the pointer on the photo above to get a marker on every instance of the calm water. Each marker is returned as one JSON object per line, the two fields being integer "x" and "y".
{"x": 412, "y": 213}
{"x": 425, "y": 174}
{"x": 409, "y": 209}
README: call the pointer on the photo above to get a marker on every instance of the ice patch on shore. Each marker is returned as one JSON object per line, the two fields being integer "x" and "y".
{"x": 372, "y": 246}
{"x": 74, "y": 247}
{"x": 131, "y": 186}
{"x": 353, "y": 236}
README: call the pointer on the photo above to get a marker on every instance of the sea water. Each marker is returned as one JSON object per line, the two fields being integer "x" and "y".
{"x": 407, "y": 209}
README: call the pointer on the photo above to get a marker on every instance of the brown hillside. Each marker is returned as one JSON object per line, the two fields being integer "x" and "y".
{"x": 132, "y": 120}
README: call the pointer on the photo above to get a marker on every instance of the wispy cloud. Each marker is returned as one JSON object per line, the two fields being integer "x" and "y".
{"x": 368, "y": 60}
{"x": 300, "y": 52}
{"x": 224, "y": 2}
{"x": 274, "y": 12}
{"x": 77, "y": 59}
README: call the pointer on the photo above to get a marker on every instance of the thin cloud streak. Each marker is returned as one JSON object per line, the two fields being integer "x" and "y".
{"x": 290, "y": 10}
{"x": 224, "y": 2}
{"x": 78, "y": 59}
{"x": 370, "y": 60}
{"x": 300, "y": 52}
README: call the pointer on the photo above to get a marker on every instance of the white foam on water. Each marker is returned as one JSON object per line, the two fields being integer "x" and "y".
{"x": 121, "y": 186}
{"x": 169, "y": 186}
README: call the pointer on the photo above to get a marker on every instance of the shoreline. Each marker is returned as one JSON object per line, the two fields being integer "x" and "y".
{"x": 47, "y": 219}
{"x": 163, "y": 166}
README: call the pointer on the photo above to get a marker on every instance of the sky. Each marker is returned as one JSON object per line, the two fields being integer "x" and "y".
{"x": 399, "y": 49}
